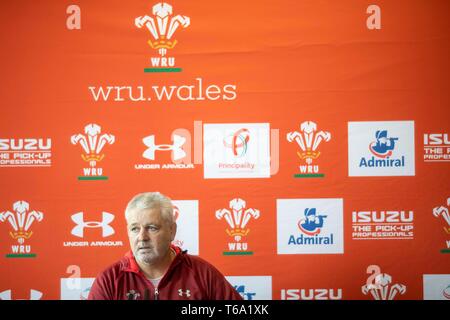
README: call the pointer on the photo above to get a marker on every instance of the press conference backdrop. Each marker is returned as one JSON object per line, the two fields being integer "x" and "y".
{"x": 304, "y": 143}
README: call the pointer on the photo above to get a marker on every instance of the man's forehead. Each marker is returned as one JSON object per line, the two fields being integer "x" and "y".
{"x": 144, "y": 214}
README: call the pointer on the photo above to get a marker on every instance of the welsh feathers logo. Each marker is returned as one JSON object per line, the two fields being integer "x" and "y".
{"x": 308, "y": 140}
{"x": 21, "y": 221}
{"x": 92, "y": 142}
{"x": 162, "y": 26}
{"x": 381, "y": 287}
{"x": 443, "y": 211}
{"x": 237, "y": 218}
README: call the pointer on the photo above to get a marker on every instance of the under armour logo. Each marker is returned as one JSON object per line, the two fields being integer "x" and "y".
{"x": 187, "y": 293}
{"x": 78, "y": 230}
{"x": 34, "y": 295}
{"x": 176, "y": 148}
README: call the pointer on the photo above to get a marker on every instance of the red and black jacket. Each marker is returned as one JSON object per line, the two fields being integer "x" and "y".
{"x": 188, "y": 278}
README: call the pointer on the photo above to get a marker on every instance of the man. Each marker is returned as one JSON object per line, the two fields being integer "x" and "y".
{"x": 154, "y": 268}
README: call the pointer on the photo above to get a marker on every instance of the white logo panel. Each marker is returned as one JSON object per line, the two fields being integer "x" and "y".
{"x": 436, "y": 286}
{"x": 240, "y": 150}
{"x": 252, "y": 287}
{"x": 76, "y": 288}
{"x": 381, "y": 148}
{"x": 186, "y": 217}
{"x": 310, "y": 226}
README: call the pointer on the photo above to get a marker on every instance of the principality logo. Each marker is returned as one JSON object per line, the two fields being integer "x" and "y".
{"x": 29, "y": 152}
{"x": 92, "y": 143}
{"x": 380, "y": 287}
{"x": 162, "y": 26}
{"x": 236, "y": 150}
{"x": 21, "y": 221}
{"x": 238, "y": 142}
{"x": 444, "y": 213}
{"x": 237, "y": 218}
{"x": 309, "y": 139}
{"x": 436, "y": 287}
{"x": 185, "y": 213}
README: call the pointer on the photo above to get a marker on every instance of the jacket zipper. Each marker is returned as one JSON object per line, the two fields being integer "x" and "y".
{"x": 156, "y": 293}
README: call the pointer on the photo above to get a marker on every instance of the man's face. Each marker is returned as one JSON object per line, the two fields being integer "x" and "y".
{"x": 150, "y": 235}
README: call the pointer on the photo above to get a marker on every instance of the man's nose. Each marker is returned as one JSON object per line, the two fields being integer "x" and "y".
{"x": 143, "y": 235}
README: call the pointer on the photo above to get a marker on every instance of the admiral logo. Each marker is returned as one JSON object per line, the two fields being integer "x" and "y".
{"x": 237, "y": 219}
{"x": 311, "y": 294}
{"x": 252, "y": 287}
{"x": 243, "y": 292}
{"x": 92, "y": 143}
{"x": 34, "y": 295}
{"x": 162, "y": 27}
{"x": 383, "y": 225}
{"x": 76, "y": 288}
{"x": 240, "y": 150}
{"x": 381, "y": 286}
{"x": 186, "y": 217}
{"x": 21, "y": 221}
{"x": 381, "y": 148}
{"x": 179, "y": 150}
{"x": 106, "y": 230}
{"x": 436, "y": 287}
{"x": 309, "y": 226}
{"x": 443, "y": 211}
{"x": 436, "y": 147}
{"x": 308, "y": 140}
{"x": 28, "y": 152}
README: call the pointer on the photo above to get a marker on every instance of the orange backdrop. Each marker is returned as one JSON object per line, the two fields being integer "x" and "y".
{"x": 289, "y": 62}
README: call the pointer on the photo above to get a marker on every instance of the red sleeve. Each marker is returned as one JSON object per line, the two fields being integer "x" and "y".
{"x": 102, "y": 288}
{"x": 218, "y": 286}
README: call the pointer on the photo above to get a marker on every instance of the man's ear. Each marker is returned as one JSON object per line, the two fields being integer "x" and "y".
{"x": 174, "y": 231}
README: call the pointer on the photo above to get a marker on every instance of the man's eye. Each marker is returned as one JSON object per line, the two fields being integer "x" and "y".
{"x": 135, "y": 229}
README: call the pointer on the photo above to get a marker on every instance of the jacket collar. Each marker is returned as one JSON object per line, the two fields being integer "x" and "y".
{"x": 132, "y": 266}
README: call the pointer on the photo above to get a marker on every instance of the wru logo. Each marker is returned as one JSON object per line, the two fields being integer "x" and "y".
{"x": 237, "y": 218}
{"x": 21, "y": 220}
{"x": 92, "y": 143}
{"x": 383, "y": 288}
{"x": 162, "y": 26}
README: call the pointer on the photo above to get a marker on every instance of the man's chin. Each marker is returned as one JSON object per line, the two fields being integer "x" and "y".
{"x": 145, "y": 257}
